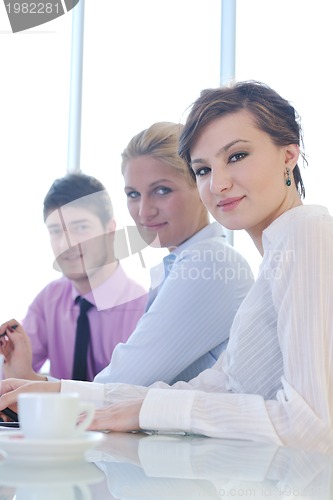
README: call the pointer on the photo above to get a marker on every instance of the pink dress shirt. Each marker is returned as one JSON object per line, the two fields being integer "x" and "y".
{"x": 51, "y": 322}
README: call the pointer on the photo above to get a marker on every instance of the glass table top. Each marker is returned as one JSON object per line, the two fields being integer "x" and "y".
{"x": 139, "y": 466}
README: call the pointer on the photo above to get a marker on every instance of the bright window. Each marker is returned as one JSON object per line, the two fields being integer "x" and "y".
{"x": 144, "y": 61}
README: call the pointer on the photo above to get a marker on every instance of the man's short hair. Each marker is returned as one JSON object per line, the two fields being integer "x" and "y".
{"x": 76, "y": 189}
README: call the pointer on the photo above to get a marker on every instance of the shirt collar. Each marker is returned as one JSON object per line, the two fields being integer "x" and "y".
{"x": 112, "y": 292}
{"x": 278, "y": 226}
{"x": 212, "y": 230}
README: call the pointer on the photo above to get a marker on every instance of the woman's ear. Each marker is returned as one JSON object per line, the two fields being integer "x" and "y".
{"x": 291, "y": 156}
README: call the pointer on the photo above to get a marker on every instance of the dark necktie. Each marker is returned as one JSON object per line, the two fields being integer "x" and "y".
{"x": 82, "y": 341}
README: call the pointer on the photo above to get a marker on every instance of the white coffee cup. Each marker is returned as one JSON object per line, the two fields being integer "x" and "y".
{"x": 53, "y": 416}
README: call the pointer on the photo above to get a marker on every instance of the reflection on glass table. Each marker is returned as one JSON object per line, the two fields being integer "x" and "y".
{"x": 163, "y": 467}
{"x": 70, "y": 481}
{"x": 140, "y": 466}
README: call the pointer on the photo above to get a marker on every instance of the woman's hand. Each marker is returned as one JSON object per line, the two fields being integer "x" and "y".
{"x": 11, "y": 388}
{"x": 16, "y": 348}
{"x": 119, "y": 417}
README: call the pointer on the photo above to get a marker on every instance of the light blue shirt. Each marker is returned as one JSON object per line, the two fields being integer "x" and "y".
{"x": 187, "y": 325}
{"x": 157, "y": 276}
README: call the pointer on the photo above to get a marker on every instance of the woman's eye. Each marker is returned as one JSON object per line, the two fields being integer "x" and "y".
{"x": 132, "y": 194}
{"x": 200, "y": 172}
{"x": 237, "y": 157}
{"x": 162, "y": 190}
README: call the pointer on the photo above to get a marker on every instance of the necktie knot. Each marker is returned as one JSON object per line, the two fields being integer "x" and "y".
{"x": 85, "y": 305}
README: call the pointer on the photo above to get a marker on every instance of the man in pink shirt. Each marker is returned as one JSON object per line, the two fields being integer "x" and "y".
{"x": 79, "y": 217}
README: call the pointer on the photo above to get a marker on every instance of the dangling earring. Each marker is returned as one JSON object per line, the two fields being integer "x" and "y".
{"x": 288, "y": 180}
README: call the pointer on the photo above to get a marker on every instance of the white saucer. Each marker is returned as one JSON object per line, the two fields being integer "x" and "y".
{"x": 15, "y": 447}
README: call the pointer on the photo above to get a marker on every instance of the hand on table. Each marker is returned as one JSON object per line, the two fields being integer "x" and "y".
{"x": 12, "y": 387}
{"x": 119, "y": 417}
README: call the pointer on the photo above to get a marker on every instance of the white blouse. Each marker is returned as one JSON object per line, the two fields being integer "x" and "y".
{"x": 274, "y": 383}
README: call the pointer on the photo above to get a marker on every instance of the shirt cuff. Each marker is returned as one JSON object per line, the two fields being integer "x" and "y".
{"x": 167, "y": 410}
{"x": 88, "y": 391}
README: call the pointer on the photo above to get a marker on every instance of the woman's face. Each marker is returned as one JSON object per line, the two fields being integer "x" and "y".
{"x": 241, "y": 173}
{"x": 161, "y": 200}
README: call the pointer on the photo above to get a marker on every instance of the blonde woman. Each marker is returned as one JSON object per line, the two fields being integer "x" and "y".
{"x": 190, "y": 312}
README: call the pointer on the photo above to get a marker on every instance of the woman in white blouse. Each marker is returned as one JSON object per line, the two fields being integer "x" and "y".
{"x": 274, "y": 381}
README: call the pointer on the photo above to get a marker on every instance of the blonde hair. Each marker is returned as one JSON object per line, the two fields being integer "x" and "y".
{"x": 160, "y": 141}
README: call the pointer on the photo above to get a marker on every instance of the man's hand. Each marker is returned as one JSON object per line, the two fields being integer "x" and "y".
{"x": 119, "y": 417}
{"x": 12, "y": 387}
{"x": 16, "y": 348}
